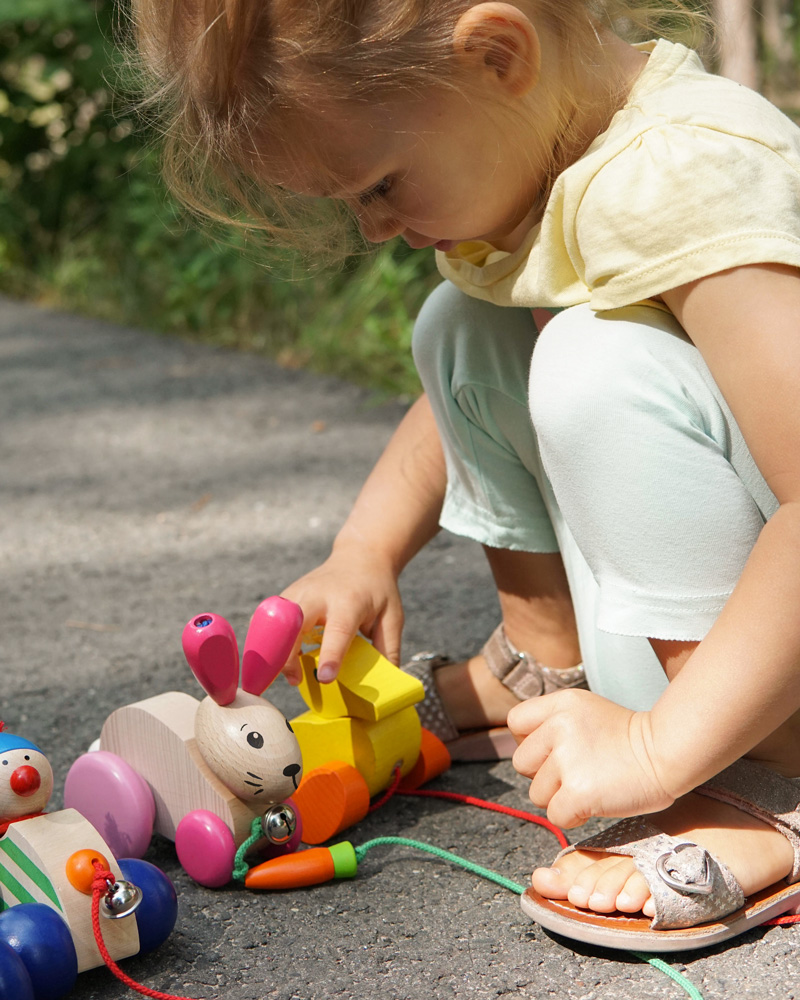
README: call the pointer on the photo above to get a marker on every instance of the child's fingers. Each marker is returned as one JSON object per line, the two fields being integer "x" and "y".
{"x": 546, "y": 783}
{"x": 531, "y": 754}
{"x": 292, "y": 670}
{"x": 336, "y": 639}
{"x": 563, "y": 811}
{"x": 387, "y": 634}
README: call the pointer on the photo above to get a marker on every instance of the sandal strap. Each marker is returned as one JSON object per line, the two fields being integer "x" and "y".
{"x": 520, "y": 673}
{"x": 432, "y": 713}
{"x": 524, "y": 676}
{"x": 762, "y": 793}
{"x": 689, "y": 886}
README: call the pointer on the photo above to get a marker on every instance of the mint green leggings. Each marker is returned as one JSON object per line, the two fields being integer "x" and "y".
{"x": 604, "y": 438}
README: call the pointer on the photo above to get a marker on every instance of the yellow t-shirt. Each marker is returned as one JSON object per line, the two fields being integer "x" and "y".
{"x": 695, "y": 174}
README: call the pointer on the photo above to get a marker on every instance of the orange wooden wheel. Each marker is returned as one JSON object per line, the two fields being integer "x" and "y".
{"x": 330, "y": 799}
{"x": 434, "y": 758}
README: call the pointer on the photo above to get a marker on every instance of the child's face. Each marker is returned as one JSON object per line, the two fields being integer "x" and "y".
{"x": 436, "y": 171}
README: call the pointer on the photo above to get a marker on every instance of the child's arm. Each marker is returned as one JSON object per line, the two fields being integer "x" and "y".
{"x": 591, "y": 758}
{"x": 395, "y": 515}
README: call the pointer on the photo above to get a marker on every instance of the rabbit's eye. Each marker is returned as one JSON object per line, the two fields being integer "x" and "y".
{"x": 289, "y": 726}
{"x": 256, "y": 740}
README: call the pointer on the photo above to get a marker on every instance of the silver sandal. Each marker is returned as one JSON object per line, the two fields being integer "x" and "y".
{"x": 698, "y": 901}
{"x": 519, "y": 672}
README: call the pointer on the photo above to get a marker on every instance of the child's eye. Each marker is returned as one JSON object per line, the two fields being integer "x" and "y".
{"x": 380, "y": 190}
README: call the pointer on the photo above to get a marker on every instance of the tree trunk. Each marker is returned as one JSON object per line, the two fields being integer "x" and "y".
{"x": 777, "y": 34}
{"x": 737, "y": 40}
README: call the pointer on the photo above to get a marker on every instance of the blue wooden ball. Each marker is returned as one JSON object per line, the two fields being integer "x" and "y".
{"x": 15, "y": 983}
{"x": 158, "y": 910}
{"x": 41, "y": 938}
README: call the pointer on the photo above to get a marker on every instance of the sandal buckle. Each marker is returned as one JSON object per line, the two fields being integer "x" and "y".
{"x": 693, "y": 870}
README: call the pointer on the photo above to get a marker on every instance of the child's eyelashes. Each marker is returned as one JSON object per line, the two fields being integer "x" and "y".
{"x": 379, "y": 190}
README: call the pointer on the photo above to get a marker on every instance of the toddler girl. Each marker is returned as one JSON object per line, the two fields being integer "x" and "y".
{"x": 634, "y": 480}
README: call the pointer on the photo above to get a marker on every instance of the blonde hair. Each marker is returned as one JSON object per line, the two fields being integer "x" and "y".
{"x": 226, "y": 79}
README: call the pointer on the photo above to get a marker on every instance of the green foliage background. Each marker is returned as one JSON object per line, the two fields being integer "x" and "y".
{"x": 86, "y": 225}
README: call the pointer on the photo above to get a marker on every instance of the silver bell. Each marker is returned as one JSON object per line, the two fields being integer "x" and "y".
{"x": 121, "y": 899}
{"x": 279, "y": 823}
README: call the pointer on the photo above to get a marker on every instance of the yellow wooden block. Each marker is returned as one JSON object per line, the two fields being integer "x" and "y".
{"x": 368, "y": 685}
{"x": 373, "y": 748}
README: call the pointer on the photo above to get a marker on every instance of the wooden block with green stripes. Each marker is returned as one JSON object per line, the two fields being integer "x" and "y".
{"x": 33, "y": 858}
{"x": 21, "y": 879}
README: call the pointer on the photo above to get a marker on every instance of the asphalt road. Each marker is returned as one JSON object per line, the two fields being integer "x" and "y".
{"x": 144, "y": 479}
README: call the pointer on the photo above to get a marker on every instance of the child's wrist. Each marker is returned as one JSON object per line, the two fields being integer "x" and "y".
{"x": 675, "y": 753}
{"x": 356, "y": 547}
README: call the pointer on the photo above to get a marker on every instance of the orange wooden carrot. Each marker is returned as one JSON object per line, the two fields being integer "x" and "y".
{"x": 309, "y": 867}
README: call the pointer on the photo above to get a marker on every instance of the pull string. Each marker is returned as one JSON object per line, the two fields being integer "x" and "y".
{"x": 420, "y": 845}
{"x": 507, "y": 883}
{"x": 390, "y": 791}
{"x": 99, "y": 887}
{"x": 470, "y": 800}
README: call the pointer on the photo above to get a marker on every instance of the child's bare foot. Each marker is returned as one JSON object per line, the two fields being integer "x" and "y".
{"x": 756, "y": 854}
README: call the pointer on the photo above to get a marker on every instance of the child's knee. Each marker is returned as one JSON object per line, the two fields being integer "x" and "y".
{"x": 588, "y": 372}
{"x": 461, "y": 342}
{"x": 444, "y": 313}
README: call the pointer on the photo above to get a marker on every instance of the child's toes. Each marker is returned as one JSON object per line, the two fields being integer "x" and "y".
{"x": 634, "y": 896}
{"x": 609, "y": 885}
{"x": 551, "y": 883}
{"x": 555, "y": 882}
{"x": 586, "y": 881}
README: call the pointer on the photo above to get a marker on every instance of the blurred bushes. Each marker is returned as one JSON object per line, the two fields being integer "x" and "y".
{"x": 85, "y": 224}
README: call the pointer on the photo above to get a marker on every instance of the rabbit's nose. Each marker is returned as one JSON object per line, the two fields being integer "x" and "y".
{"x": 291, "y": 770}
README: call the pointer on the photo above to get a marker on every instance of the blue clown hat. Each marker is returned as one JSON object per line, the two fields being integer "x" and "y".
{"x": 8, "y": 741}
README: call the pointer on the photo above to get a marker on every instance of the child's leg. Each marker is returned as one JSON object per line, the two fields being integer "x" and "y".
{"x": 473, "y": 359}
{"x": 662, "y": 497}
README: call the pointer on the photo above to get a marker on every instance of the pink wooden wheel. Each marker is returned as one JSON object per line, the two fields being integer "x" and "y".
{"x": 206, "y": 848}
{"x": 115, "y": 799}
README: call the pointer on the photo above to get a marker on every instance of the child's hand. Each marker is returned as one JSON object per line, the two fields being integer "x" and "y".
{"x": 587, "y": 757}
{"x": 352, "y": 590}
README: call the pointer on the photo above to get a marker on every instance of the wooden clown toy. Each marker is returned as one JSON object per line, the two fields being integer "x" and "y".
{"x": 203, "y": 773}
{"x": 54, "y": 867}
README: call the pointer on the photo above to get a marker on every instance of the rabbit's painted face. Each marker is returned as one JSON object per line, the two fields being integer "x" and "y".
{"x": 251, "y": 748}
{"x": 26, "y": 783}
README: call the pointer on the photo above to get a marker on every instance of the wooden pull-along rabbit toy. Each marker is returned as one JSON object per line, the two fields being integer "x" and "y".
{"x": 200, "y": 773}
{"x": 49, "y": 866}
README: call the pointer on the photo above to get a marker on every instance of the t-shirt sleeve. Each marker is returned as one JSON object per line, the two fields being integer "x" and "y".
{"x": 680, "y": 203}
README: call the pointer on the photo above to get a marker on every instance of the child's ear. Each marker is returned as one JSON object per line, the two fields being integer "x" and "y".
{"x": 502, "y": 41}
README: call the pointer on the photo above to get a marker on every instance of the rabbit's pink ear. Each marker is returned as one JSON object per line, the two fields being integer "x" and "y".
{"x": 273, "y": 631}
{"x": 209, "y": 645}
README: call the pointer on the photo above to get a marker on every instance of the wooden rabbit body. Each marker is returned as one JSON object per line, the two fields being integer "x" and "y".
{"x": 200, "y": 772}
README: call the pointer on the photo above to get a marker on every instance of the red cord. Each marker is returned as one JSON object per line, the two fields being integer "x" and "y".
{"x": 496, "y": 807}
{"x": 390, "y": 791}
{"x": 795, "y": 919}
{"x": 99, "y": 888}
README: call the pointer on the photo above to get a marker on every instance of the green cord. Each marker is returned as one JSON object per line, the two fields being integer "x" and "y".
{"x": 469, "y": 865}
{"x": 487, "y": 873}
{"x": 674, "y": 975}
{"x": 240, "y": 866}
{"x": 240, "y": 870}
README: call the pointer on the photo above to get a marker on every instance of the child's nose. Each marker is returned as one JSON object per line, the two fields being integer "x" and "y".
{"x": 377, "y": 225}
{"x": 25, "y": 780}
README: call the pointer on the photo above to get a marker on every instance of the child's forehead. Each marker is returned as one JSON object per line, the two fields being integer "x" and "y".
{"x": 333, "y": 150}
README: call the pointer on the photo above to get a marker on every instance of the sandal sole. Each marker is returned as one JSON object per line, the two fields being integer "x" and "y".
{"x": 628, "y": 933}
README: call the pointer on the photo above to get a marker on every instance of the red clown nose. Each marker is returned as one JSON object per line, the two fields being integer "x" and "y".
{"x": 25, "y": 780}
